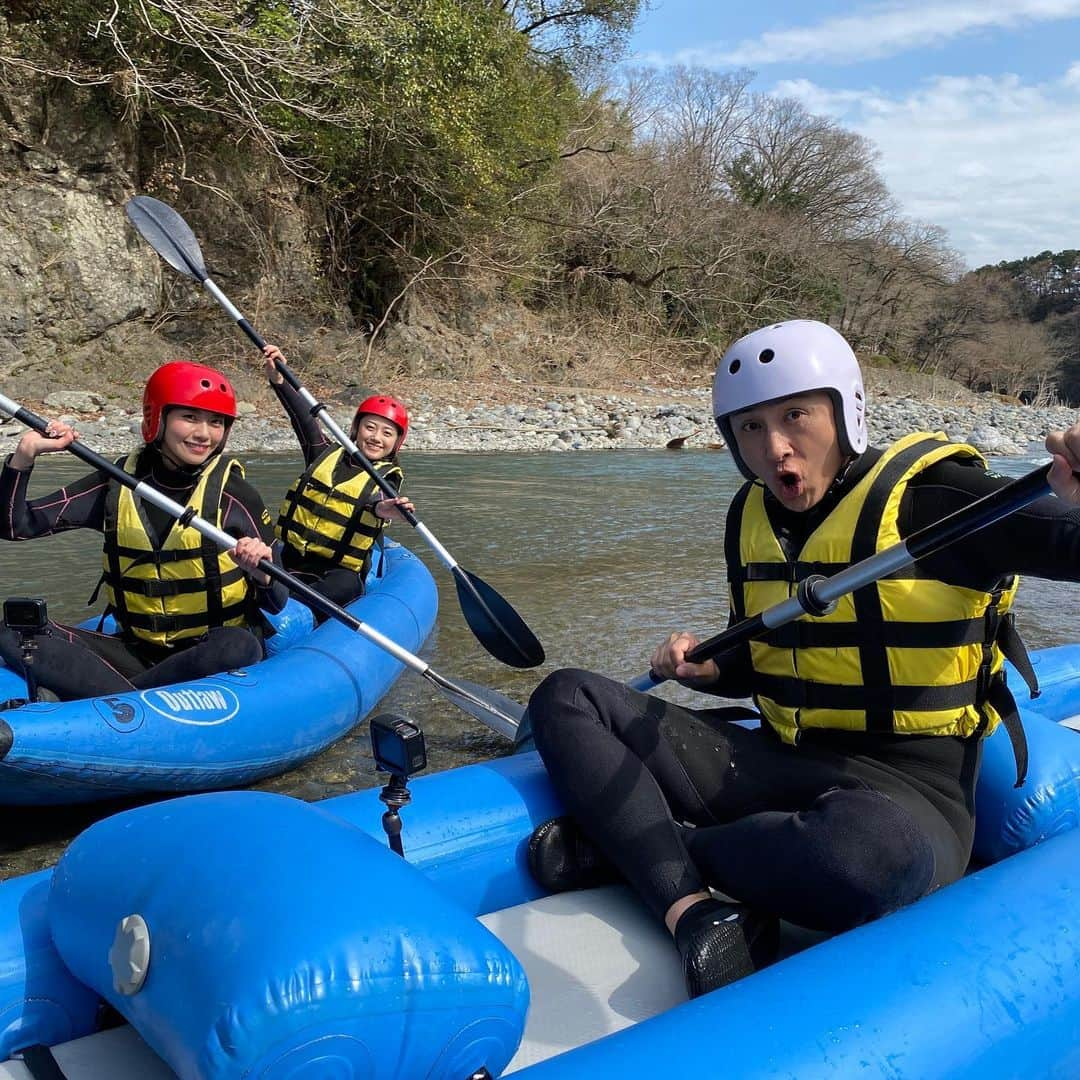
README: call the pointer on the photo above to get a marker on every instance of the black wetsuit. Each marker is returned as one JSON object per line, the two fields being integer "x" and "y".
{"x": 77, "y": 663}
{"x": 830, "y": 833}
{"x": 336, "y": 583}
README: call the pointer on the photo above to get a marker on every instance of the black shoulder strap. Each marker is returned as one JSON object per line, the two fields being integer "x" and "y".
{"x": 732, "y": 544}
{"x": 873, "y": 656}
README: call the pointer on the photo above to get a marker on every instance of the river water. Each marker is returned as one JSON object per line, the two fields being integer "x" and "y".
{"x": 601, "y": 553}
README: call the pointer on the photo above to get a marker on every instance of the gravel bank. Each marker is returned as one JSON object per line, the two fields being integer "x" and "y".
{"x": 530, "y": 418}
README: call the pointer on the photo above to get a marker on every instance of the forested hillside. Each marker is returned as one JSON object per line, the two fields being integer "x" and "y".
{"x": 485, "y": 175}
{"x": 1050, "y": 286}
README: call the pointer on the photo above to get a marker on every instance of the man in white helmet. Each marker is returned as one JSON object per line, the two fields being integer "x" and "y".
{"x": 855, "y": 795}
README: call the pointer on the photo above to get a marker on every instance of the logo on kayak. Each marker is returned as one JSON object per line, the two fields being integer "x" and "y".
{"x": 205, "y": 706}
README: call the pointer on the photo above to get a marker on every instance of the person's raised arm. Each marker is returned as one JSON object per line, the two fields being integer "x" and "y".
{"x": 309, "y": 434}
{"x": 79, "y": 505}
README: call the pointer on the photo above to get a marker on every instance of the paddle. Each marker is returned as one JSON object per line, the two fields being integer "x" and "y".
{"x": 496, "y": 625}
{"x": 817, "y": 595}
{"x": 488, "y": 706}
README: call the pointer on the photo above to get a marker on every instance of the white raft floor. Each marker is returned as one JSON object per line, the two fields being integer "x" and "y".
{"x": 596, "y": 961}
{"x": 118, "y": 1054}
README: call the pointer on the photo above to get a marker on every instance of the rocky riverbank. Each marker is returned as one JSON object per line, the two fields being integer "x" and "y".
{"x": 531, "y": 417}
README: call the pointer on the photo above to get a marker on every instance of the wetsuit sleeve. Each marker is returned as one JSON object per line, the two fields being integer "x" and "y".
{"x": 79, "y": 505}
{"x": 1043, "y": 539}
{"x": 309, "y": 434}
{"x": 245, "y": 514}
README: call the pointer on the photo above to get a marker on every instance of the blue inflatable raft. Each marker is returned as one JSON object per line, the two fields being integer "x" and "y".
{"x": 226, "y": 730}
{"x": 290, "y": 943}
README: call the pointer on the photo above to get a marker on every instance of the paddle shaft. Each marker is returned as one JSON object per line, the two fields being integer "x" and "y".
{"x": 525, "y": 649}
{"x": 510, "y": 627}
{"x": 321, "y": 413}
{"x": 185, "y": 515}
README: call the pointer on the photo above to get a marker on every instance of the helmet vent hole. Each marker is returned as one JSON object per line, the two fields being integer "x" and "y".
{"x": 766, "y": 356}
{"x": 204, "y": 383}
{"x": 734, "y": 366}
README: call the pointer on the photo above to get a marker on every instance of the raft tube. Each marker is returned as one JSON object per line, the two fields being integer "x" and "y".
{"x": 981, "y": 978}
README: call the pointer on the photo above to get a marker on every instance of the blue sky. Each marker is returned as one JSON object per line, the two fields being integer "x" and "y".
{"x": 974, "y": 105}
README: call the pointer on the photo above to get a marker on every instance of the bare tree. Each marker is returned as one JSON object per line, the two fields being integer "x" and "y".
{"x": 1014, "y": 357}
{"x": 884, "y": 283}
{"x": 793, "y": 161}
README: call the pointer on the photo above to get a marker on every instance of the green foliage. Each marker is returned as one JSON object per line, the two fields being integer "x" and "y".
{"x": 419, "y": 120}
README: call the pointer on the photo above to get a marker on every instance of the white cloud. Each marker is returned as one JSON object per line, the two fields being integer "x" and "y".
{"x": 880, "y": 31}
{"x": 994, "y": 160}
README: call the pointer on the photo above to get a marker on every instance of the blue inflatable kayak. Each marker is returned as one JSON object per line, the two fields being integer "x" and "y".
{"x": 225, "y": 730}
{"x": 291, "y": 942}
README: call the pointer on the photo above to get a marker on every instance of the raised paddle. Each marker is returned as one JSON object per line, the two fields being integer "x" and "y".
{"x": 499, "y": 713}
{"x": 817, "y": 595}
{"x": 496, "y": 625}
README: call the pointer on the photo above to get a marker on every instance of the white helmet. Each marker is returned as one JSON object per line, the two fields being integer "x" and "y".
{"x": 785, "y": 359}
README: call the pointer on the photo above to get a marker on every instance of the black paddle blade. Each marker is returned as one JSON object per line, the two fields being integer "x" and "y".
{"x": 497, "y": 626}
{"x": 168, "y": 234}
{"x": 494, "y": 710}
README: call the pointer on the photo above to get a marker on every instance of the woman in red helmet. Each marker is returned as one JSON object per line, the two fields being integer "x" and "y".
{"x": 334, "y": 513}
{"x": 185, "y": 608}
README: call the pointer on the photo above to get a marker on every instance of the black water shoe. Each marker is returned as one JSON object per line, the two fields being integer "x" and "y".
{"x": 721, "y": 942}
{"x": 561, "y": 857}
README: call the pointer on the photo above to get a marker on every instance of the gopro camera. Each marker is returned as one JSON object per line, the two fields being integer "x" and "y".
{"x": 26, "y": 616}
{"x": 397, "y": 745}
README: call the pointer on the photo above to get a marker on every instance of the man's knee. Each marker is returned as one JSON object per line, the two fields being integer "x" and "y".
{"x": 879, "y": 859}
{"x": 551, "y": 702}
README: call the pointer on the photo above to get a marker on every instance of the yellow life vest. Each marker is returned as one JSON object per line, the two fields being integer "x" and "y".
{"x": 325, "y": 519}
{"x": 185, "y": 587}
{"x": 907, "y": 654}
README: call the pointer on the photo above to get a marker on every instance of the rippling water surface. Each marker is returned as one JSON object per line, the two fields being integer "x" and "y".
{"x": 601, "y": 553}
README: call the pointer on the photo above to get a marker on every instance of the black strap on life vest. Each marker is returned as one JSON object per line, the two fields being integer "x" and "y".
{"x": 791, "y": 572}
{"x": 1000, "y": 697}
{"x": 732, "y": 540}
{"x": 873, "y": 657}
{"x": 803, "y": 634}
{"x": 381, "y": 544}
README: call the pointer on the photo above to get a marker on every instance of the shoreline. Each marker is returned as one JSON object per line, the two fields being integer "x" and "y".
{"x": 534, "y": 417}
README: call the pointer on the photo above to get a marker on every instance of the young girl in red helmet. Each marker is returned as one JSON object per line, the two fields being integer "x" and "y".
{"x": 334, "y": 513}
{"x": 185, "y": 608}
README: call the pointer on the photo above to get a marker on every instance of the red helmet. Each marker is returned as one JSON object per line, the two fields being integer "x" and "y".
{"x": 389, "y": 409}
{"x": 181, "y": 382}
